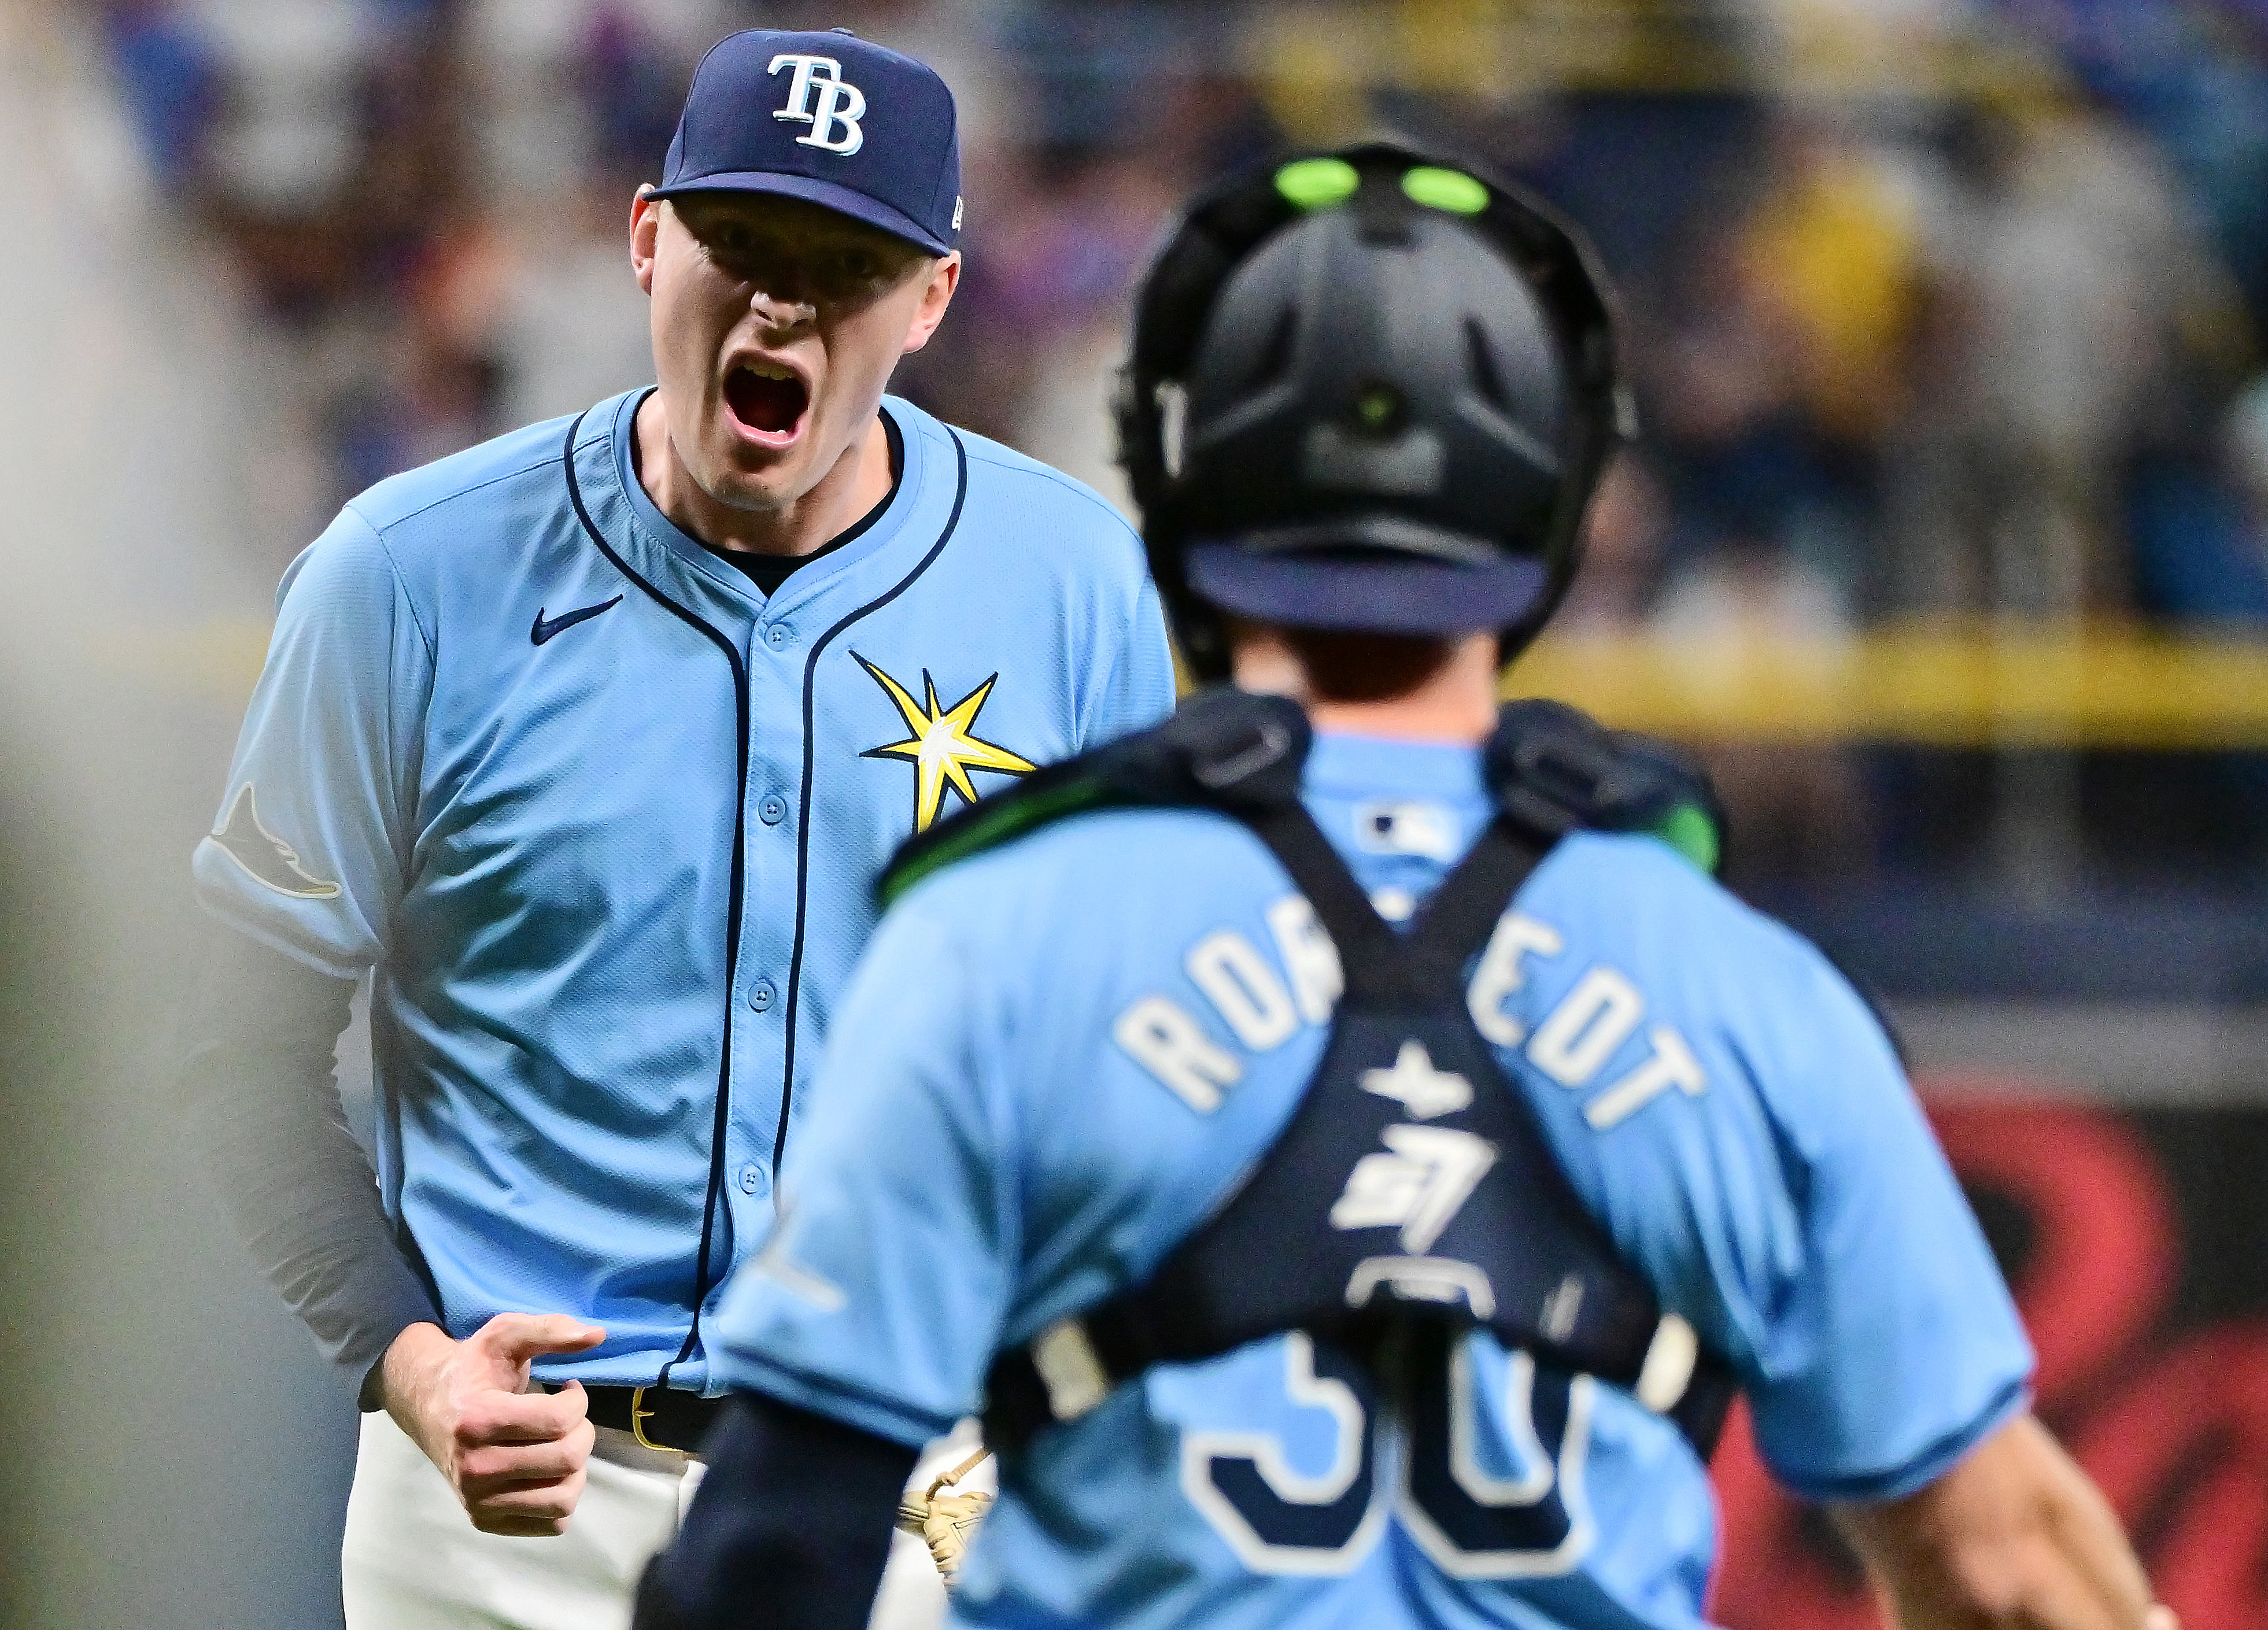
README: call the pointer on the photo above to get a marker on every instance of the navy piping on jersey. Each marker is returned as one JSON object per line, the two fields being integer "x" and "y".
{"x": 780, "y": 568}
{"x": 803, "y": 813}
{"x": 722, "y": 1121}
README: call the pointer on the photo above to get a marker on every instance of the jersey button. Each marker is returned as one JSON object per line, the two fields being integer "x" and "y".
{"x": 772, "y": 810}
{"x": 779, "y": 636}
{"x": 761, "y": 995}
{"x": 753, "y": 1180}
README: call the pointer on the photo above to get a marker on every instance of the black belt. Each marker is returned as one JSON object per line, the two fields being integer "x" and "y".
{"x": 657, "y": 1417}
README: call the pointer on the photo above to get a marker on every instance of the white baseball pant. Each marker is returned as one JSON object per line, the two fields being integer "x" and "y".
{"x": 413, "y": 1560}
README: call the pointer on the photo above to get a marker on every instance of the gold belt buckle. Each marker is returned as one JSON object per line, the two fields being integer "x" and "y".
{"x": 639, "y": 1417}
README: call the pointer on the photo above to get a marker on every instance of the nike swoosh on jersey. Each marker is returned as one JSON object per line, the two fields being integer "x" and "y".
{"x": 543, "y": 630}
{"x": 271, "y": 862}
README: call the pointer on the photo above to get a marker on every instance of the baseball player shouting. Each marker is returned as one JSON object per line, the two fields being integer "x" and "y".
{"x": 1352, "y": 1155}
{"x": 591, "y": 741}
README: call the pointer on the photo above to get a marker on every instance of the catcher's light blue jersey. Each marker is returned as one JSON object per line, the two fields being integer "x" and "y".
{"x": 607, "y": 821}
{"x": 1059, "y": 1056}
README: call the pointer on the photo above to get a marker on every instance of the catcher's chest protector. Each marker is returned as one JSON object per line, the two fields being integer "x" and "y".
{"x": 1412, "y": 1186}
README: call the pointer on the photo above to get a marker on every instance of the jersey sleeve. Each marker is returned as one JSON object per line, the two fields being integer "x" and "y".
{"x": 878, "y": 1297}
{"x": 310, "y": 849}
{"x": 1137, "y": 688}
{"x": 1893, "y": 1347}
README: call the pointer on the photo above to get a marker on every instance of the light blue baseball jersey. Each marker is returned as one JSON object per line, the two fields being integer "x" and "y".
{"x": 1059, "y": 1056}
{"x": 607, "y": 821}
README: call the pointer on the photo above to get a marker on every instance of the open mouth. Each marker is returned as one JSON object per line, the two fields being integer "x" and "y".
{"x": 768, "y": 398}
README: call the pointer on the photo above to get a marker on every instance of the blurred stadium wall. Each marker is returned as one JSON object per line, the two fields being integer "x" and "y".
{"x": 175, "y": 1459}
{"x": 1946, "y": 541}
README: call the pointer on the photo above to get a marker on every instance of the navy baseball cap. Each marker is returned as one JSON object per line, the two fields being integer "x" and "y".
{"x": 828, "y": 118}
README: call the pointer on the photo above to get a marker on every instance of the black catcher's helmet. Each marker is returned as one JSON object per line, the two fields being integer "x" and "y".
{"x": 1370, "y": 389}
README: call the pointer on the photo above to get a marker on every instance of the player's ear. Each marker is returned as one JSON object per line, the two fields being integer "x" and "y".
{"x": 944, "y": 278}
{"x": 645, "y": 234}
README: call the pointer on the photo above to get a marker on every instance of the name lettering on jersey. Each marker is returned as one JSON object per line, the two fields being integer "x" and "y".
{"x": 1417, "y": 1185}
{"x": 1672, "y": 1065}
{"x": 1584, "y": 1030}
{"x": 1498, "y": 978}
{"x": 1162, "y": 1036}
{"x": 1243, "y": 989}
{"x": 263, "y": 857}
{"x": 1309, "y": 957}
{"x": 1260, "y": 1006}
{"x": 944, "y": 747}
{"x": 818, "y": 95}
{"x": 1582, "y": 1033}
{"x": 1261, "y": 1003}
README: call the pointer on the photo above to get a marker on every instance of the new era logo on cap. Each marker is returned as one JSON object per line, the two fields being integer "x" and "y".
{"x": 828, "y": 118}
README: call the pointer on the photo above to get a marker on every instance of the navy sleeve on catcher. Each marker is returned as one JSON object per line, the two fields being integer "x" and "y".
{"x": 790, "y": 1529}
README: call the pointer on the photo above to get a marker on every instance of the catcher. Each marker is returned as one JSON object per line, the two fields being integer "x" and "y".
{"x": 1346, "y": 1144}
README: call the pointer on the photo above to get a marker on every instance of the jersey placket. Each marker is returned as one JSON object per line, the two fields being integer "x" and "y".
{"x": 777, "y": 651}
{"x": 738, "y": 1203}
{"x": 770, "y": 1034}
{"x": 774, "y": 1036}
{"x": 735, "y": 1177}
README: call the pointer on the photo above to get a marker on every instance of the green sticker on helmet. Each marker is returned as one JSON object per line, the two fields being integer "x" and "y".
{"x": 1316, "y": 183}
{"x": 1445, "y": 189}
{"x": 1689, "y": 830}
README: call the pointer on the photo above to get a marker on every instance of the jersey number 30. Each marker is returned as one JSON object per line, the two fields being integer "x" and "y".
{"x": 1472, "y": 1523}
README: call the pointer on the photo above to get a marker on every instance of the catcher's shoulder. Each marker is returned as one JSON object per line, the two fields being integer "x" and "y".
{"x": 1057, "y": 894}
{"x": 1087, "y": 853}
{"x": 1147, "y": 772}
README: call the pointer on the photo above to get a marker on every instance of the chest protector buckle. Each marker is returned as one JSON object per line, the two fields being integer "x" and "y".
{"x": 1412, "y": 1183}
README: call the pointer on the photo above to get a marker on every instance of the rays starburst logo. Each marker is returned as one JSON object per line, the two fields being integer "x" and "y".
{"x": 944, "y": 747}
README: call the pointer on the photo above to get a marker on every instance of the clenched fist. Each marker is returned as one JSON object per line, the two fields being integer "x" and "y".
{"x": 516, "y": 1458}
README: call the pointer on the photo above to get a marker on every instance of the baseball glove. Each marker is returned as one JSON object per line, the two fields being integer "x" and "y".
{"x": 946, "y": 1523}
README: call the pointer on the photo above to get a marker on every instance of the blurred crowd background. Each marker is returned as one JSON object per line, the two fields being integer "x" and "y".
{"x": 1938, "y": 309}
{"x": 1947, "y": 320}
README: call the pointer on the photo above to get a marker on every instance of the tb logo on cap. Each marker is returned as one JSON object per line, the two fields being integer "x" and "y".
{"x": 835, "y": 121}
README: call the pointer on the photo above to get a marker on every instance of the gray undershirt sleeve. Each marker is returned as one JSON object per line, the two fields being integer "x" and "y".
{"x": 266, "y": 1125}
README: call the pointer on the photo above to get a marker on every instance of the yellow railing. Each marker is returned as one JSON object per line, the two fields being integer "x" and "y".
{"x": 1925, "y": 686}
{"x": 1316, "y": 61}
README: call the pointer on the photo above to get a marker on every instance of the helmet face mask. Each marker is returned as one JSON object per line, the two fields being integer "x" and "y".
{"x": 1368, "y": 392}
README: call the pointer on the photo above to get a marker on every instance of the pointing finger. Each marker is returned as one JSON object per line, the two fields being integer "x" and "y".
{"x": 517, "y": 1337}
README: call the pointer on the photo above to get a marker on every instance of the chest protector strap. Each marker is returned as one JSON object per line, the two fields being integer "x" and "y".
{"x": 1412, "y": 1183}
